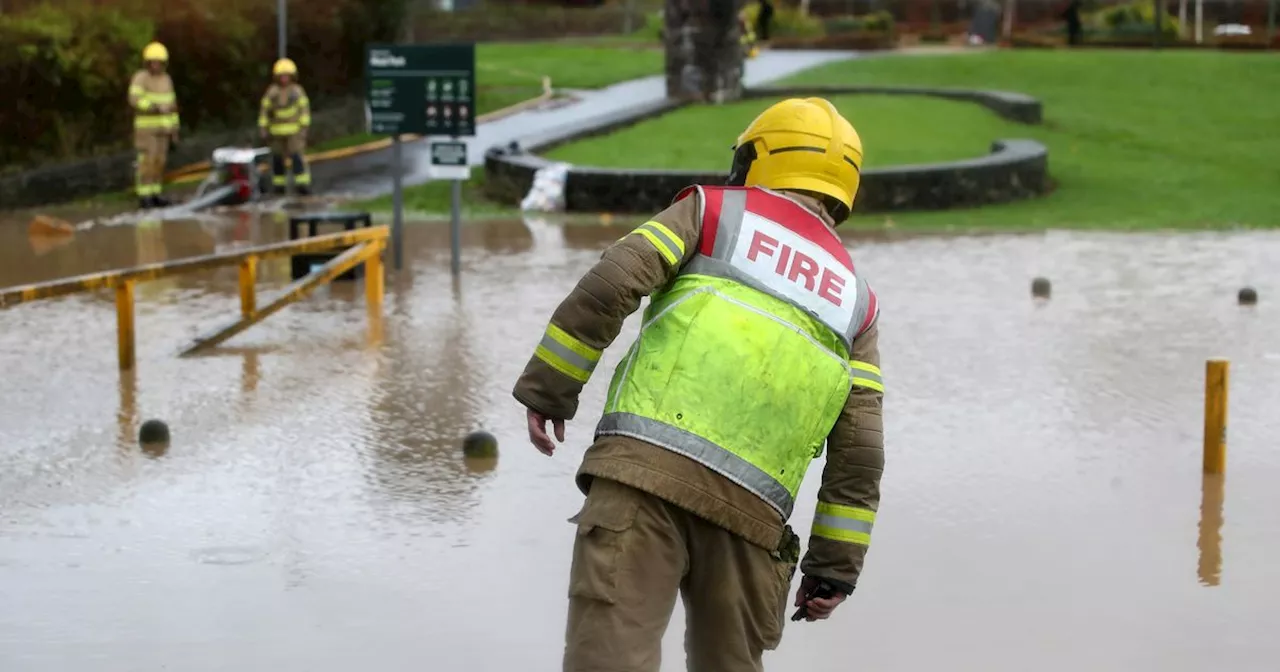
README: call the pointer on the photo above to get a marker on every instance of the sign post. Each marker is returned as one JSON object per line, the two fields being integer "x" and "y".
{"x": 449, "y": 162}
{"x": 428, "y": 90}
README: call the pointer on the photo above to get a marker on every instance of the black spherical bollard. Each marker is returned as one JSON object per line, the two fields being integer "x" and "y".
{"x": 153, "y": 437}
{"x": 153, "y": 431}
{"x": 1040, "y": 288}
{"x": 1248, "y": 296}
{"x": 480, "y": 444}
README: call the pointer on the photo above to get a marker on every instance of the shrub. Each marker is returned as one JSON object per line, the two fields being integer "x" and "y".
{"x": 70, "y": 66}
{"x": 786, "y": 22}
{"x": 1132, "y": 19}
{"x": 876, "y": 22}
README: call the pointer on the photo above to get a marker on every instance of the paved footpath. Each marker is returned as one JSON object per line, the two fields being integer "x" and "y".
{"x": 372, "y": 176}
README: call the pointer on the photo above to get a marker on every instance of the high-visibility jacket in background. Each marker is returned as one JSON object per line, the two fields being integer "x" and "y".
{"x": 285, "y": 110}
{"x": 148, "y": 93}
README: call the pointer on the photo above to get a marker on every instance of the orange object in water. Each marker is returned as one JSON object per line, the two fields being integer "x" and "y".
{"x": 44, "y": 225}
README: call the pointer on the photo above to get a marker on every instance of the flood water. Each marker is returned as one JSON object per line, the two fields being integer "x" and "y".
{"x": 1042, "y": 499}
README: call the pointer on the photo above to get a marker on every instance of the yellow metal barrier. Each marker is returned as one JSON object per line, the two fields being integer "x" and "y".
{"x": 367, "y": 246}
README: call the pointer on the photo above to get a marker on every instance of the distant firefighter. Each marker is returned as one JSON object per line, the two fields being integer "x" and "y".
{"x": 155, "y": 123}
{"x": 284, "y": 119}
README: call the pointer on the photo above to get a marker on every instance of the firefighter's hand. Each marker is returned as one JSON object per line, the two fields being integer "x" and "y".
{"x": 538, "y": 432}
{"x": 819, "y": 608}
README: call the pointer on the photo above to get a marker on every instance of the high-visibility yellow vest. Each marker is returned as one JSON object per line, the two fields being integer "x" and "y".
{"x": 743, "y": 361}
{"x": 285, "y": 110}
{"x": 147, "y": 92}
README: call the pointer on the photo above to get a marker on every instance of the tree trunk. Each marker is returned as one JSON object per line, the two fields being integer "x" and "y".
{"x": 703, "y": 55}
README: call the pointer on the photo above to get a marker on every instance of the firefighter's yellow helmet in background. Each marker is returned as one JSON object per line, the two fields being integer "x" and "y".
{"x": 155, "y": 52}
{"x": 801, "y": 144}
{"x": 284, "y": 66}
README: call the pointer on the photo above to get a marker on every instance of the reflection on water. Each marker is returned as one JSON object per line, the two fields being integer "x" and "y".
{"x": 1043, "y": 458}
{"x": 1209, "y": 540}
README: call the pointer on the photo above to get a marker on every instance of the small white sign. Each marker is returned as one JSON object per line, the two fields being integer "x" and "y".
{"x": 448, "y": 160}
{"x": 449, "y": 172}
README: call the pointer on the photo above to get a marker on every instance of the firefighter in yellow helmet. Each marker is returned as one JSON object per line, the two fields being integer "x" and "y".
{"x": 155, "y": 122}
{"x": 284, "y": 119}
{"x": 759, "y": 347}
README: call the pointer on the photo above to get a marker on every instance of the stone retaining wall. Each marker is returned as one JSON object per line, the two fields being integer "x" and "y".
{"x": 78, "y": 179}
{"x": 1015, "y": 169}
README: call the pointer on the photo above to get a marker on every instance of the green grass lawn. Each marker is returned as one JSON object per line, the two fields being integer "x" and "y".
{"x": 434, "y": 199}
{"x": 1136, "y": 139}
{"x": 906, "y": 129}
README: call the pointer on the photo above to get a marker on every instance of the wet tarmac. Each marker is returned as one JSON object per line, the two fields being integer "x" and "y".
{"x": 1043, "y": 504}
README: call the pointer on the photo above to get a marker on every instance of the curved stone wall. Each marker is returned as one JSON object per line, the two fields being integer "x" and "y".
{"x": 1015, "y": 169}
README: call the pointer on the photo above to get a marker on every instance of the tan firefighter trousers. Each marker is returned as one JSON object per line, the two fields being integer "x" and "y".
{"x": 153, "y": 151}
{"x": 634, "y": 552}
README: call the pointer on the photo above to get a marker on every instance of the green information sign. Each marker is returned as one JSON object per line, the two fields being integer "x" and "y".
{"x": 424, "y": 89}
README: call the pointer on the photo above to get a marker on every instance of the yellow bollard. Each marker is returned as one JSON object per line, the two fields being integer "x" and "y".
{"x": 373, "y": 278}
{"x": 248, "y": 278}
{"x": 1215, "y": 416}
{"x": 124, "y": 324}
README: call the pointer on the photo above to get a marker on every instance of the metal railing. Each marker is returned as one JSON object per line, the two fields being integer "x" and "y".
{"x": 365, "y": 247}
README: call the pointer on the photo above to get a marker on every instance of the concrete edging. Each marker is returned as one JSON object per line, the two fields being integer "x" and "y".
{"x": 1015, "y": 169}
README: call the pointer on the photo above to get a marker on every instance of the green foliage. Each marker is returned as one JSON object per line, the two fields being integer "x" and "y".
{"x": 65, "y": 62}
{"x": 875, "y": 22}
{"x": 1137, "y": 18}
{"x": 786, "y": 22}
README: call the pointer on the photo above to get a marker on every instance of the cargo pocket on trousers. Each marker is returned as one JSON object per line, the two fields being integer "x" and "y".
{"x": 785, "y": 560}
{"x": 603, "y": 525}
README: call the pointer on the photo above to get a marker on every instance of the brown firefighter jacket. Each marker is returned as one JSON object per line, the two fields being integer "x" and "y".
{"x": 593, "y": 313}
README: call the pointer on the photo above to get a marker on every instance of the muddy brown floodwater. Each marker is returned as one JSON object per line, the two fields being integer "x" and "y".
{"x": 1042, "y": 502}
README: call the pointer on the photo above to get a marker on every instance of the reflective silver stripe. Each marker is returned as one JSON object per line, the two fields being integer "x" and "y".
{"x": 733, "y": 204}
{"x": 868, "y": 375}
{"x": 673, "y": 246}
{"x": 842, "y": 523}
{"x": 702, "y": 451}
{"x": 566, "y": 354}
{"x": 862, "y": 294}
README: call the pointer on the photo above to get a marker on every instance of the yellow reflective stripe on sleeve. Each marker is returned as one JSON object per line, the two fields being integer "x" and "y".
{"x": 838, "y": 522}
{"x": 566, "y": 354}
{"x": 668, "y": 244}
{"x": 867, "y": 375}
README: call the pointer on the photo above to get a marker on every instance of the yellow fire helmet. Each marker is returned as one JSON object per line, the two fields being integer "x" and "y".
{"x": 284, "y": 66}
{"x": 801, "y": 144}
{"x": 155, "y": 52}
